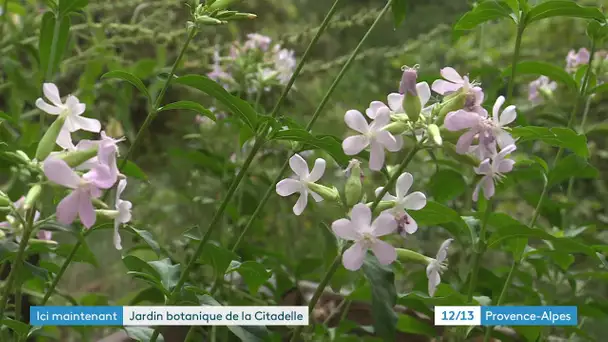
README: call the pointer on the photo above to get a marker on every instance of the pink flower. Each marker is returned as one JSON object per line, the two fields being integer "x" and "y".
{"x": 44, "y": 235}
{"x": 85, "y": 188}
{"x": 454, "y": 82}
{"x": 395, "y": 102}
{"x": 538, "y": 86}
{"x": 488, "y": 131}
{"x": 289, "y": 186}
{"x": 576, "y": 59}
{"x": 436, "y": 267}
{"x": 492, "y": 170}
{"x": 372, "y": 135}
{"x": 257, "y": 41}
{"x": 403, "y": 200}
{"x": 365, "y": 234}
{"x": 123, "y": 215}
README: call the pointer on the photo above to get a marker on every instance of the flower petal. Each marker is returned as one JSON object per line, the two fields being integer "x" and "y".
{"x": 476, "y": 191}
{"x": 120, "y": 188}
{"x": 507, "y": 116}
{"x": 58, "y": 171}
{"x": 373, "y": 109}
{"x": 443, "y": 87}
{"x": 76, "y": 108}
{"x": 424, "y": 92}
{"x": 355, "y": 144}
{"x": 395, "y": 102}
{"x": 410, "y": 225}
{"x": 344, "y": 229}
{"x": 434, "y": 281}
{"x": 317, "y": 171}
{"x": 356, "y": 121}
{"x": 47, "y": 108}
{"x": 461, "y": 119}
{"x": 300, "y": 205}
{"x": 451, "y": 75}
{"x": 376, "y": 156}
{"x": 288, "y": 187}
{"x": 506, "y": 151}
{"x": 403, "y": 185}
{"x": 484, "y": 167}
{"x": 64, "y": 139}
{"x": 361, "y": 217}
{"x": 504, "y": 139}
{"x": 488, "y": 187}
{"x": 464, "y": 142}
{"x": 385, "y": 253}
{"x": 315, "y": 196}
{"x": 496, "y": 108}
{"x": 387, "y": 196}
{"x": 384, "y": 224}
{"x": 87, "y": 124}
{"x": 389, "y": 141}
{"x": 86, "y": 212}
{"x": 116, "y": 239}
{"x": 352, "y": 259}
{"x": 299, "y": 166}
{"x": 52, "y": 93}
{"x": 505, "y": 165}
{"x": 414, "y": 201}
{"x": 442, "y": 253}
{"x": 67, "y": 209}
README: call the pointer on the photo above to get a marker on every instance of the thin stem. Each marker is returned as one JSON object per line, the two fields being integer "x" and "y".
{"x": 62, "y": 270}
{"x": 51, "y": 61}
{"x": 393, "y": 179}
{"x": 480, "y": 248}
{"x": 581, "y": 95}
{"x": 258, "y": 144}
{"x": 520, "y": 32}
{"x": 154, "y": 110}
{"x": 8, "y": 287}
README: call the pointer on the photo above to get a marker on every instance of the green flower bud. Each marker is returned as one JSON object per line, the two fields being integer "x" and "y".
{"x": 207, "y": 20}
{"x": 111, "y": 214}
{"x": 434, "y": 133}
{"x": 353, "y": 190}
{"x": 99, "y": 203}
{"x": 329, "y": 194}
{"x": 405, "y": 255}
{"x": 396, "y": 127}
{"x": 221, "y": 4}
{"x": 382, "y": 206}
{"x": 2, "y": 235}
{"x": 451, "y": 103}
{"x": 32, "y": 196}
{"x": 241, "y": 16}
{"x": 411, "y": 101}
{"x": 75, "y": 158}
{"x": 47, "y": 143}
{"x": 4, "y": 199}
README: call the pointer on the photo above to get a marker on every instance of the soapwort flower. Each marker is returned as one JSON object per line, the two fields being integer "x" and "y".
{"x": 414, "y": 201}
{"x": 365, "y": 233}
{"x": 493, "y": 170}
{"x": 436, "y": 266}
{"x": 452, "y": 83}
{"x": 372, "y": 135}
{"x": 72, "y": 109}
{"x": 300, "y": 185}
{"x": 574, "y": 59}
{"x": 84, "y": 189}
{"x": 123, "y": 212}
{"x": 540, "y": 86}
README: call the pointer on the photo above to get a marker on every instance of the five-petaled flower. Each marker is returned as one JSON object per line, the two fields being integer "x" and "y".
{"x": 488, "y": 131}
{"x": 72, "y": 109}
{"x": 85, "y": 188}
{"x": 372, "y": 135}
{"x": 436, "y": 267}
{"x": 395, "y": 102}
{"x": 454, "y": 82}
{"x": 492, "y": 170}
{"x": 403, "y": 200}
{"x": 289, "y": 186}
{"x": 365, "y": 233}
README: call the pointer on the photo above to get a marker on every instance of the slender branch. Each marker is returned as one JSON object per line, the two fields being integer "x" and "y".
{"x": 62, "y": 270}
{"x": 480, "y": 248}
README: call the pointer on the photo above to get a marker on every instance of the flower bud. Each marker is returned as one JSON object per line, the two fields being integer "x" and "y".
{"x": 433, "y": 131}
{"x": 241, "y": 16}
{"x": 207, "y": 20}
{"x": 396, "y": 127}
{"x": 111, "y": 214}
{"x": 408, "y": 255}
{"x": 382, "y": 206}
{"x": 4, "y": 199}
{"x": 353, "y": 190}
{"x": 411, "y": 101}
{"x": 451, "y": 103}
{"x": 32, "y": 196}
{"x": 75, "y": 158}
{"x": 47, "y": 143}
{"x": 221, "y": 4}
{"x": 330, "y": 194}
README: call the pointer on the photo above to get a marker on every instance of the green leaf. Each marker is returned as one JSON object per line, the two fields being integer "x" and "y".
{"x": 245, "y": 333}
{"x": 132, "y": 170}
{"x": 434, "y": 214}
{"x": 560, "y": 8}
{"x": 446, "y": 184}
{"x": 597, "y": 31}
{"x": 557, "y": 136}
{"x": 327, "y": 143}
{"x": 19, "y": 327}
{"x": 83, "y": 254}
{"x": 254, "y": 274}
{"x": 399, "y": 9}
{"x": 384, "y": 297}
{"x": 553, "y": 72}
{"x": 50, "y": 57}
{"x": 233, "y": 103}
{"x": 147, "y": 237}
{"x": 571, "y": 166}
{"x": 142, "y": 334}
{"x": 528, "y": 332}
{"x": 563, "y": 260}
{"x": 127, "y": 76}
{"x": 411, "y": 325}
{"x": 168, "y": 273}
{"x": 483, "y": 12}
{"x": 602, "y": 88}
{"x": 67, "y": 6}
{"x": 189, "y": 105}
{"x": 218, "y": 257}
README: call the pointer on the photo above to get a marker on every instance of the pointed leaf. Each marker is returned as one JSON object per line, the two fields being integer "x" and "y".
{"x": 51, "y": 52}
{"x": 481, "y": 13}
{"x": 399, "y": 9}
{"x": 169, "y": 274}
{"x": 560, "y": 8}
{"x": 218, "y": 257}
{"x": 557, "y": 136}
{"x": 147, "y": 237}
{"x": 553, "y": 72}
{"x": 188, "y": 105}
{"x": 253, "y": 273}
{"x": 127, "y": 76}
{"x": 571, "y": 166}
{"x": 130, "y": 169}
{"x": 67, "y": 6}
{"x": 245, "y": 333}
{"x": 384, "y": 297}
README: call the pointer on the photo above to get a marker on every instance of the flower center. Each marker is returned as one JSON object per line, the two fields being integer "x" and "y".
{"x": 368, "y": 239}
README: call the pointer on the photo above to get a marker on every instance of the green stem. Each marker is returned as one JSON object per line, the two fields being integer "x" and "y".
{"x": 520, "y": 32}
{"x": 62, "y": 270}
{"x": 8, "y": 287}
{"x": 480, "y": 248}
{"x": 258, "y": 144}
{"x": 580, "y": 97}
{"x": 154, "y": 110}
{"x": 49, "y": 67}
